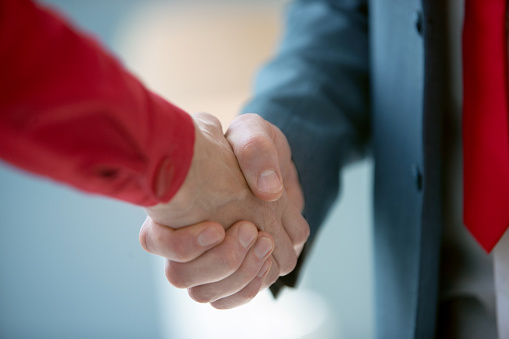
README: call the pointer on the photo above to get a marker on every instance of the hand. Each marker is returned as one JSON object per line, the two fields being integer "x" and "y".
{"x": 263, "y": 154}
{"x": 226, "y": 268}
{"x": 276, "y": 217}
{"x": 215, "y": 190}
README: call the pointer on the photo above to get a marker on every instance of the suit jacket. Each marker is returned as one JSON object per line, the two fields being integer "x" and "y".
{"x": 353, "y": 78}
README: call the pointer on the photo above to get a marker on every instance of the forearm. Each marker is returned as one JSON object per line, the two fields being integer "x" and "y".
{"x": 69, "y": 111}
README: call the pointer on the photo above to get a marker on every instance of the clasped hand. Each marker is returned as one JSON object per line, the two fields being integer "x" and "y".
{"x": 233, "y": 228}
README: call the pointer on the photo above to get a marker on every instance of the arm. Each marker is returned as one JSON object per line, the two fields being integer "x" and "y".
{"x": 316, "y": 90}
{"x": 70, "y": 112}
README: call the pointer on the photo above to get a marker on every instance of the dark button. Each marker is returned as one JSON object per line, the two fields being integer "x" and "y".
{"x": 417, "y": 176}
{"x": 418, "y": 22}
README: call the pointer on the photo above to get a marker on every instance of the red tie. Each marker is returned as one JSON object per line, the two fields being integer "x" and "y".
{"x": 485, "y": 121}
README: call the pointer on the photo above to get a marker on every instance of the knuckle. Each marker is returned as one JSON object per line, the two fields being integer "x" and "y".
{"x": 304, "y": 233}
{"x": 209, "y": 118}
{"x": 196, "y": 293}
{"x": 221, "y": 305}
{"x": 178, "y": 250}
{"x": 307, "y": 231}
{"x": 247, "y": 118}
{"x": 256, "y": 144}
{"x": 161, "y": 241}
{"x": 236, "y": 300}
{"x": 143, "y": 238}
{"x": 174, "y": 277}
{"x": 177, "y": 245}
{"x": 271, "y": 279}
{"x": 289, "y": 265}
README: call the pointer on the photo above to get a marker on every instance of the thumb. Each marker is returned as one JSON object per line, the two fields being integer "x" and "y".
{"x": 253, "y": 142}
{"x": 180, "y": 245}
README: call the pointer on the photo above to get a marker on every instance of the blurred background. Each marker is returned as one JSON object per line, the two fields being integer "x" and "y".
{"x": 71, "y": 265}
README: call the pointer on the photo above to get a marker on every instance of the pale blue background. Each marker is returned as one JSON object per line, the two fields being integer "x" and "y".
{"x": 71, "y": 265}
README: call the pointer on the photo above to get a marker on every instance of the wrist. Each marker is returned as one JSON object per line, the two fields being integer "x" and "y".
{"x": 214, "y": 181}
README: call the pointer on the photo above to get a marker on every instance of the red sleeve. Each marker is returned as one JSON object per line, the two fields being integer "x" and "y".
{"x": 69, "y": 111}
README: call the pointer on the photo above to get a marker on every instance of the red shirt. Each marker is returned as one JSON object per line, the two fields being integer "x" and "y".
{"x": 69, "y": 111}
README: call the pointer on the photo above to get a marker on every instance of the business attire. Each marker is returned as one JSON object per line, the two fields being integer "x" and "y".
{"x": 356, "y": 78}
{"x": 69, "y": 111}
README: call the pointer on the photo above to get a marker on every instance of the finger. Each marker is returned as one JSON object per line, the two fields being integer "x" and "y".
{"x": 284, "y": 253}
{"x": 217, "y": 263}
{"x": 247, "y": 293}
{"x": 295, "y": 226}
{"x": 250, "y": 268}
{"x": 183, "y": 244}
{"x": 253, "y": 142}
{"x": 272, "y": 275}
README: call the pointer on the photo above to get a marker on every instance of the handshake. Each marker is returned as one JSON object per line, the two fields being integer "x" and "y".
{"x": 233, "y": 228}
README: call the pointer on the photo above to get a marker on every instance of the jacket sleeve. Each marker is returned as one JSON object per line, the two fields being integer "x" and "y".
{"x": 316, "y": 90}
{"x": 70, "y": 112}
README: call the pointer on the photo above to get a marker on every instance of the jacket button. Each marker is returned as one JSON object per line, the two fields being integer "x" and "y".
{"x": 417, "y": 176}
{"x": 418, "y": 21}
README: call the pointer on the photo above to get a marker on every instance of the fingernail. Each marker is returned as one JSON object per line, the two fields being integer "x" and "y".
{"x": 247, "y": 234}
{"x": 208, "y": 236}
{"x": 269, "y": 182}
{"x": 264, "y": 269}
{"x": 263, "y": 247}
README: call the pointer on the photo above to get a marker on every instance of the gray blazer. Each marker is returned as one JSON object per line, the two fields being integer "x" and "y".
{"x": 354, "y": 79}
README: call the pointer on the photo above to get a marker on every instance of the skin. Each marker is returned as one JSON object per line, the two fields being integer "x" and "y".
{"x": 226, "y": 260}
